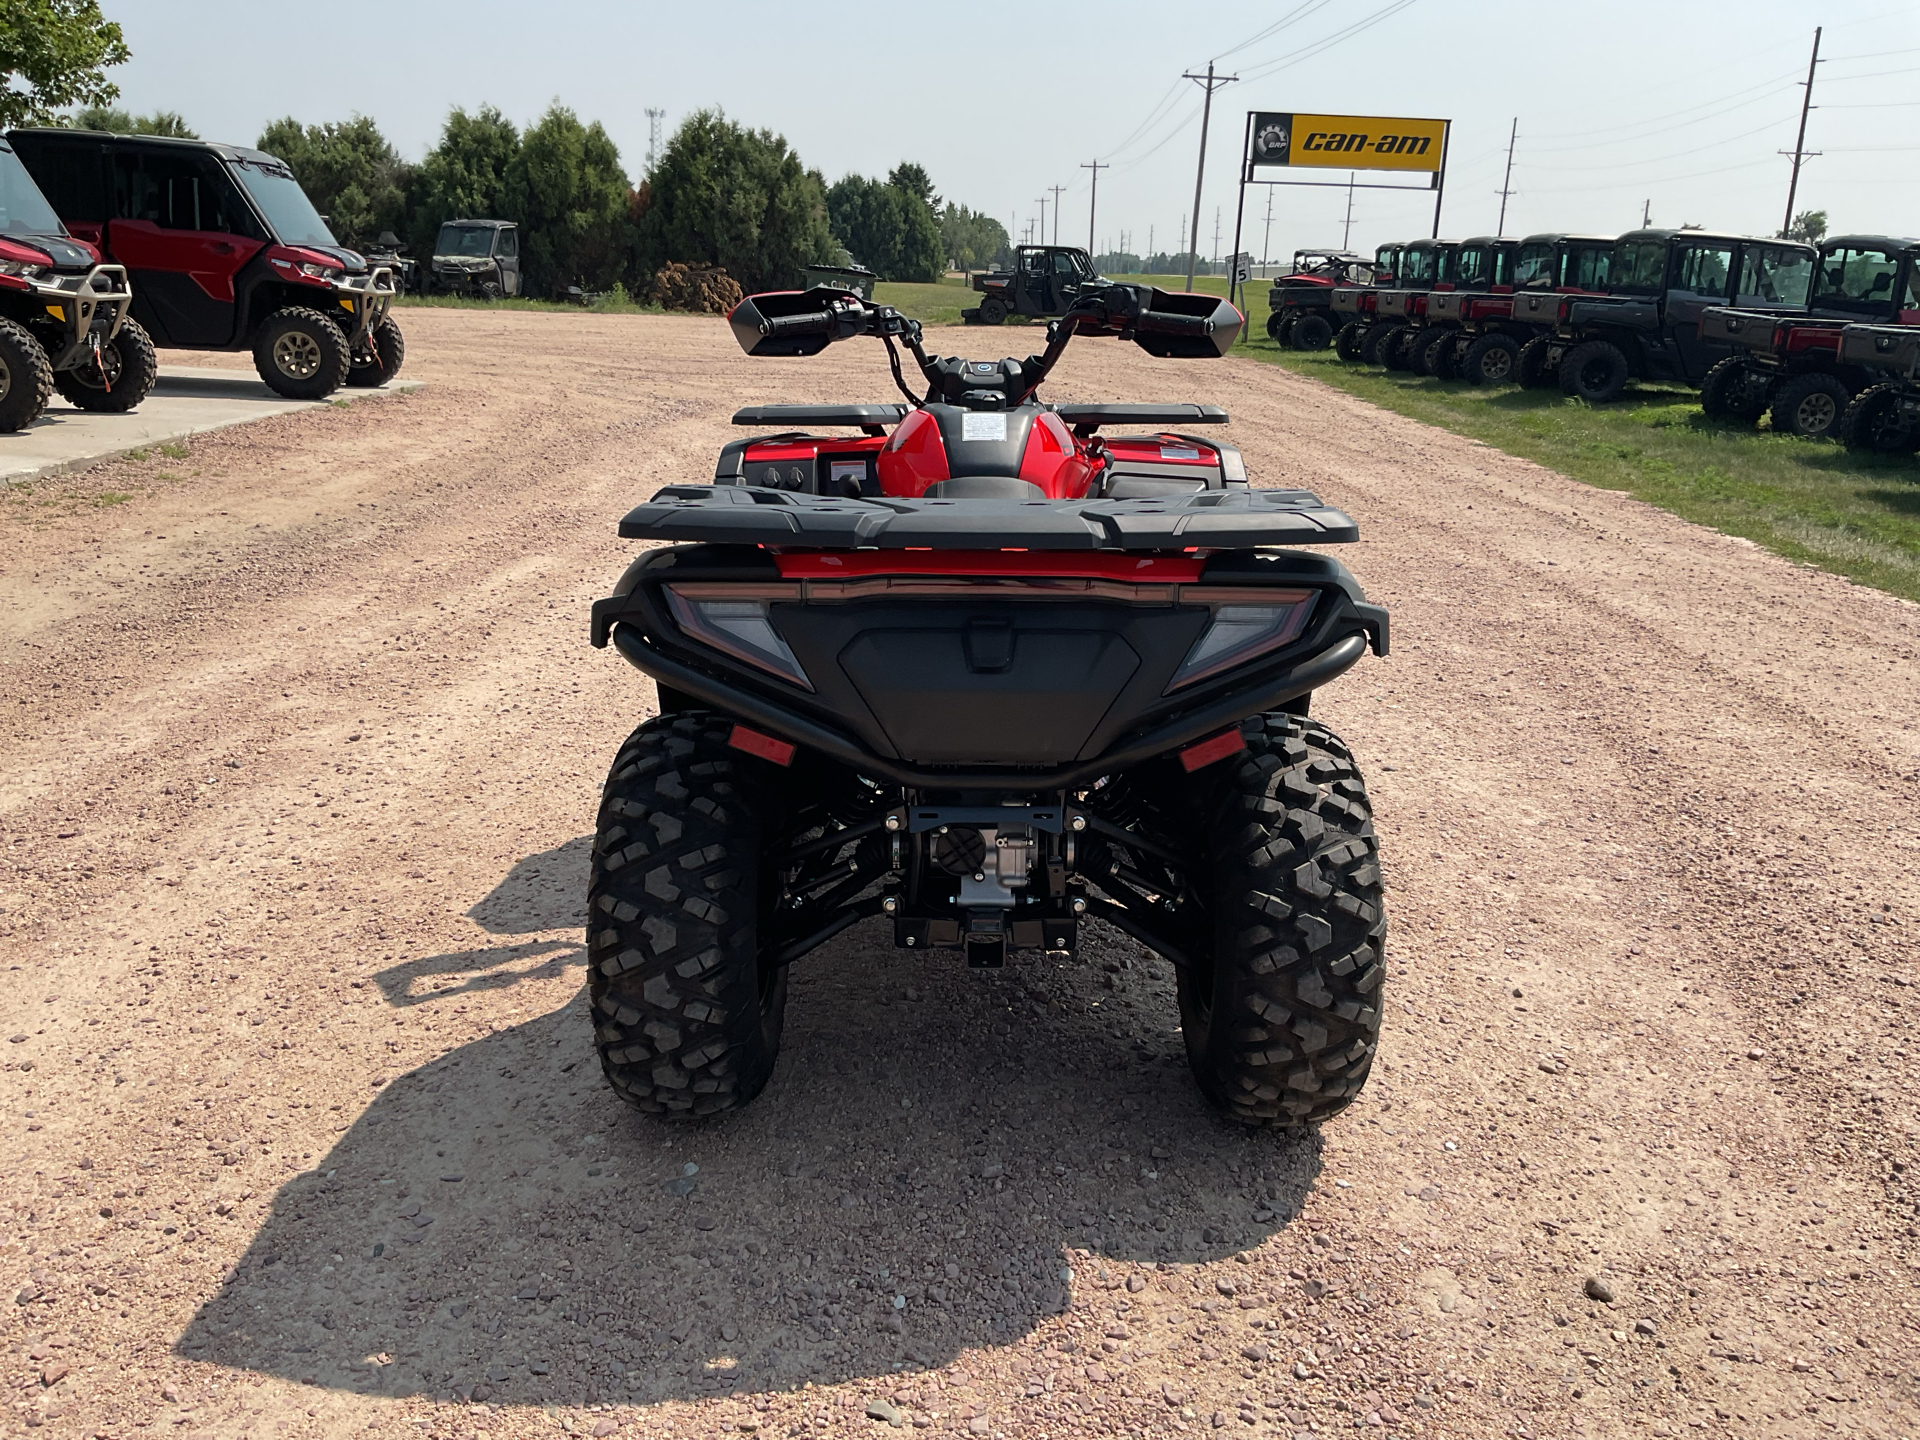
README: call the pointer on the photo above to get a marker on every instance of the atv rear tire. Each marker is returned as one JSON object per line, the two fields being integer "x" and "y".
{"x": 1874, "y": 424}
{"x": 1282, "y": 1018}
{"x": 687, "y": 1019}
{"x": 1491, "y": 360}
{"x": 1810, "y": 406}
{"x": 1397, "y": 352}
{"x": 1347, "y": 343}
{"x": 389, "y": 349}
{"x": 126, "y": 372}
{"x": 993, "y": 311}
{"x": 26, "y": 380}
{"x": 1532, "y": 369}
{"x": 1374, "y": 342}
{"x": 1731, "y": 391}
{"x": 1595, "y": 371}
{"x": 301, "y": 354}
{"x": 1310, "y": 332}
{"x": 1436, "y": 356}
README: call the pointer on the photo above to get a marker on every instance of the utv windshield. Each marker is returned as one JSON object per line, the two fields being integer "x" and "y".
{"x": 1537, "y": 269}
{"x": 23, "y": 209}
{"x": 1470, "y": 266}
{"x": 1589, "y": 267}
{"x": 474, "y": 242}
{"x": 1640, "y": 267}
{"x": 1386, "y": 262}
{"x": 1856, "y": 279}
{"x": 290, "y": 214}
{"x": 1774, "y": 275}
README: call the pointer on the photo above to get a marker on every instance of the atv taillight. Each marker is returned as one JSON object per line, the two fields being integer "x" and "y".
{"x": 1240, "y": 632}
{"x": 740, "y": 628}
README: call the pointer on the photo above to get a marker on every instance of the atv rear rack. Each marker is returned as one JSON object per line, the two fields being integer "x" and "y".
{"x": 1232, "y": 519}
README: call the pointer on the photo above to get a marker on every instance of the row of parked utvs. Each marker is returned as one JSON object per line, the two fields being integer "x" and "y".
{"x": 1824, "y": 340}
{"x": 111, "y": 245}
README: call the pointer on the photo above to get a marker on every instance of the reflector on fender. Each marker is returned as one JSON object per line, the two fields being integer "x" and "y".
{"x": 1218, "y": 747}
{"x": 763, "y": 747}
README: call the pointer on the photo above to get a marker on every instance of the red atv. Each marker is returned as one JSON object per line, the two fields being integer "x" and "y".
{"x": 1300, "y": 309}
{"x": 988, "y": 672}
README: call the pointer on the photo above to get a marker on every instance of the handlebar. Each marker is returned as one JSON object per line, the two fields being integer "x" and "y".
{"x": 1162, "y": 322}
{"x": 799, "y": 325}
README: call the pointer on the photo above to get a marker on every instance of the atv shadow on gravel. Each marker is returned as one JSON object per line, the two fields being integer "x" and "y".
{"x": 539, "y": 895}
{"x": 497, "y": 1224}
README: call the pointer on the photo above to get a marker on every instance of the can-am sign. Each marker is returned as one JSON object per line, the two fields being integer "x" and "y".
{"x": 1347, "y": 142}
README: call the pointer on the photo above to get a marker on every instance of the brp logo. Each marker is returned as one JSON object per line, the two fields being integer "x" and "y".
{"x": 1270, "y": 144}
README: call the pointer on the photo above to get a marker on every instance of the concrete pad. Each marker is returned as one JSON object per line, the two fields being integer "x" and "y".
{"x": 185, "y": 401}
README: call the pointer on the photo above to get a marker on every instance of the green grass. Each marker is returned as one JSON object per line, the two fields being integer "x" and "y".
{"x": 1808, "y": 500}
{"x": 937, "y": 304}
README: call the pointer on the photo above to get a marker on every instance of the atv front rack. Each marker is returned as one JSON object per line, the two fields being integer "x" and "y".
{"x": 1233, "y": 519}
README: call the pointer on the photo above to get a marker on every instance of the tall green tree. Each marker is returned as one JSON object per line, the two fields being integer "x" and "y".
{"x": 973, "y": 240}
{"x": 1810, "y": 226}
{"x": 915, "y": 181}
{"x": 721, "y": 194}
{"x": 55, "y": 53}
{"x": 116, "y": 121}
{"x": 349, "y": 171}
{"x": 567, "y": 189}
{"x": 888, "y": 229}
{"x": 464, "y": 177}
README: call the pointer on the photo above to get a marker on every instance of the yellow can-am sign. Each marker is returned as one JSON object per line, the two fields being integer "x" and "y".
{"x": 1346, "y": 142}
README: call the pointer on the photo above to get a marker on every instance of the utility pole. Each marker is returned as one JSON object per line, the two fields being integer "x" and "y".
{"x": 1042, "y": 237}
{"x": 1646, "y": 214}
{"x": 1056, "y": 189}
{"x": 1506, "y": 183}
{"x": 1347, "y": 233}
{"x": 1092, "y": 200}
{"x": 1800, "y": 141}
{"x": 1200, "y": 171}
{"x": 653, "y": 136}
{"x": 1216, "y": 232}
{"x": 1266, "y": 240}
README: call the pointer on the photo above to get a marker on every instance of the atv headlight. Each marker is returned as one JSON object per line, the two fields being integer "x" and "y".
{"x": 1241, "y": 631}
{"x": 740, "y": 628}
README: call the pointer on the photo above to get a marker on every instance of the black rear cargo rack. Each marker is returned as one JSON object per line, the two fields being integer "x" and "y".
{"x": 803, "y": 415}
{"x": 1233, "y": 519}
{"x": 1089, "y": 418}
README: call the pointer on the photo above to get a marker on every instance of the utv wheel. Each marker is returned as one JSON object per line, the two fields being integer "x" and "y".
{"x": 1491, "y": 360}
{"x": 993, "y": 311}
{"x": 301, "y": 354}
{"x": 26, "y": 380}
{"x": 1531, "y": 371}
{"x": 120, "y": 380}
{"x": 1396, "y": 352}
{"x": 1810, "y": 406}
{"x": 1874, "y": 424}
{"x": 389, "y": 353}
{"x": 1374, "y": 343}
{"x": 1282, "y": 1018}
{"x": 1595, "y": 372}
{"x": 1347, "y": 343}
{"x": 1275, "y": 322}
{"x": 1731, "y": 391}
{"x": 1311, "y": 332}
{"x": 686, "y": 1017}
{"x": 1430, "y": 355}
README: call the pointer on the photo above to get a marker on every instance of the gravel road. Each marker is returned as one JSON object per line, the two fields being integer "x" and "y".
{"x": 304, "y": 1136}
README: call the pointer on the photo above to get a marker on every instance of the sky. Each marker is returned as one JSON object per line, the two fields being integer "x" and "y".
{"x": 1670, "y": 109}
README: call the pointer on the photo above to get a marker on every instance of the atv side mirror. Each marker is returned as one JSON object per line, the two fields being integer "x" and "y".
{"x": 1186, "y": 326}
{"x": 797, "y": 322}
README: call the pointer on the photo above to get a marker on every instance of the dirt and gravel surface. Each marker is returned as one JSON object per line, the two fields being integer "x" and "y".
{"x": 303, "y": 1133}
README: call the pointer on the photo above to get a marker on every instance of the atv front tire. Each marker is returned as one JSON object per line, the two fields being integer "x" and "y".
{"x": 1396, "y": 351}
{"x": 1596, "y": 372}
{"x": 687, "y": 1019}
{"x": 1731, "y": 391}
{"x": 1347, "y": 343}
{"x": 389, "y": 349}
{"x": 1874, "y": 424}
{"x": 1374, "y": 343}
{"x": 1810, "y": 406}
{"x": 1310, "y": 332}
{"x": 1532, "y": 369}
{"x": 1282, "y": 1015}
{"x": 1491, "y": 360}
{"x": 26, "y": 380}
{"x": 301, "y": 354}
{"x": 125, "y": 373}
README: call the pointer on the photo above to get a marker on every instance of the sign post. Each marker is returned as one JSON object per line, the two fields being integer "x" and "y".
{"x": 1287, "y": 141}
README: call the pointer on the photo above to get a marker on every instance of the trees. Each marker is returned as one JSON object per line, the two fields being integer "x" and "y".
{"x": 352, "y": 175}
{"x": 55, "y": 53}
{"x": 1810, "y": 226}
{"x": 464, "y": 177}
{"x": 118, "y": 122}
{"x": 915, "y": 181}
{"x": 721, "y": 194}
{"x": 886, "y": 227}
{"x": 566, "y": 188}
{"x": 972, "y": 239}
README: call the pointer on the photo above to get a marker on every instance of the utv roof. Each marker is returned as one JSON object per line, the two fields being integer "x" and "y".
{"x": 1328, "y": 254}
{"x": 1892, "y": 243}
{"x": 1491, "y": 240}
{"x": 485, "y": 224}
{"x": 1665, "y": 235}
{"x": 1554, "y": 237}
{"x": 157, "y": 142}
